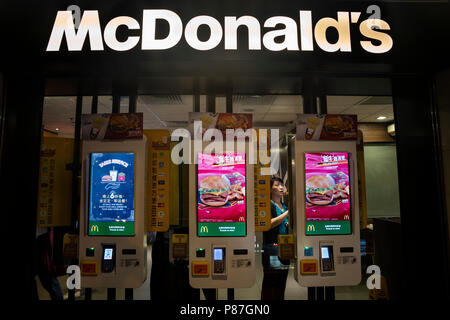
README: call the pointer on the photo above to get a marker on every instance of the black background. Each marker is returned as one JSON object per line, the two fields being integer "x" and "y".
{"x": 420, "y": 32}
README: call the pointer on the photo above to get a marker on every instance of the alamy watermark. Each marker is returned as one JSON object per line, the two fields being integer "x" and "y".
{"x": 74, "y": 279}
{"x": 373, "y": 281}
{"x": 255, "y": 143}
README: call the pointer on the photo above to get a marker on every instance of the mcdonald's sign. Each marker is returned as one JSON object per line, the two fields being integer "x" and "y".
{"x": 94, "y": 228}
{"x": 241, "y": 219}
{"x": 204, "y": 229}
{"x": 311, "y": 228}
{"x": 346, "y": 217}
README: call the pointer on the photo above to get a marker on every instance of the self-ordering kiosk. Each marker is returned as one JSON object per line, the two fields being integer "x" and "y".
{"x": 326, "y": 212}
{"x": 113, "y": 245}
{"x": 221, "y": 219}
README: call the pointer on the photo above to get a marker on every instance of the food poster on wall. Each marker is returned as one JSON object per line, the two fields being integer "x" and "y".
{"x": 111, "y": 194}
{"x": 221, "y": 197}
{"x": 327, "y": 198}
{"x": 327, "y": 127}
{"x": 220, "y": 121}
{"x": 262, "y": 188}
{"x": 158, "y": 180}
{"x": 55, "y": 182}
{"x": 110, "y": 126}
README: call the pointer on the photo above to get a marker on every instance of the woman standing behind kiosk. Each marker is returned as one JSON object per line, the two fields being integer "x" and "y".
{"x": 275, "y": 271}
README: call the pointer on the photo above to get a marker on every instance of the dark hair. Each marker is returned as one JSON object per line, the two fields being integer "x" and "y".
{"x": 275, "y": 178}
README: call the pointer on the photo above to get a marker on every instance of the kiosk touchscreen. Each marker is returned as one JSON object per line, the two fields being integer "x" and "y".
{"x": 111, "y": 194}
{"x": 112, "y": 245}
{"x": 325, "y": 203}
{"x": 221, "y": 222}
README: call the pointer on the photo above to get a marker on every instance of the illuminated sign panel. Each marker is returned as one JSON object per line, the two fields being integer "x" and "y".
{"x": 221, "y": 197}
{"x": 328, "y": 193}
{"x": 111, "y": 195}
{"x": 297, "y": 35}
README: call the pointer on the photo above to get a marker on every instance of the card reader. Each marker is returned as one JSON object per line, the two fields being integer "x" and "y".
{"x": 326, "y": 259}
{"x": 108, "y": 257}
{"x": 219, "y": 263}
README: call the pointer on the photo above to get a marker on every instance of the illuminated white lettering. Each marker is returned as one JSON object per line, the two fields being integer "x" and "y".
{"x": 366, "y": 30}
{"x": 283, "y": 32}
{"x": 191, "y": 33}
{"x": 289, "y": 33}
{"x": 342, "y": 25}
{"x": 306, "y": 32}
{"x": 110, "y": 34}
{"x": 149, "y": 41}
{"x": 254, "y": 32}
{"x": 89, "y": 24}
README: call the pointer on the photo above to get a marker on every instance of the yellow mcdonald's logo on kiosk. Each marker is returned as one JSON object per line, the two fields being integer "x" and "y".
{"x": 94, "y": 228}
{"x": 241, "y": 219}
{"x": 311, "y": 228}
{"x": 204, "y": 229}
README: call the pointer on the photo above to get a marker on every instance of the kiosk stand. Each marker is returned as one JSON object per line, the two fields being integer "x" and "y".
{"x": 325, "y": 202}
{"x": 112, "y": 247}
{"x": 221, "y": 220}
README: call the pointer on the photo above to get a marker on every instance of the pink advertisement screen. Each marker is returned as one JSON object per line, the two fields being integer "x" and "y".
{"x": 221, "y": 206}
{"x": 327, "y": 188}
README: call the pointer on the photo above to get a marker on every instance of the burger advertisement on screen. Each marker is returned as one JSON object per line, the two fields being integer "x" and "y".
{"x": 327, "y": 192}
{"x": 221, "y": 208}
{"x": 214, "y": 191}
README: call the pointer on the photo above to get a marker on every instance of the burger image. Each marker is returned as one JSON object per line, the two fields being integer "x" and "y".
{"x": 106, "y": 178}
{"x": 118, "y": 124}
{"x": 214, "y": 191}
{"x": 334, "y": 125}
{"x": 319, "y": 190}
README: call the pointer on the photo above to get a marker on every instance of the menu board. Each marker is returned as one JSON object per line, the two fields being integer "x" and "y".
{"x": 221, "y": 197}
{"x": 55, "y": 182}
{"x": 262, "y": 187}
{"x": 111, "y": 194}
{"x": 327, "y": 198}
{"x": 158, "y": 180}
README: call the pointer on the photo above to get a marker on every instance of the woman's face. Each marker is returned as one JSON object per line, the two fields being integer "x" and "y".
{"x": 278, "y": 188}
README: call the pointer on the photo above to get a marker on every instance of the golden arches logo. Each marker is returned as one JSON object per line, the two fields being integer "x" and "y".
{"x": 94, "y": 228}
{"x": 204, "y": 229}
{"x": 311, "y": 228}
{"x": 241, "y": 219}
{"x": 346, "y": 217}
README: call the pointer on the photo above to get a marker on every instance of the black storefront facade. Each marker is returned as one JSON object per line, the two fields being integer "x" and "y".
{"x": 406, "y": 71}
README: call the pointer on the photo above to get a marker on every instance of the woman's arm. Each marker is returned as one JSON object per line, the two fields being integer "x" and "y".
{"x": 275, "y": 222}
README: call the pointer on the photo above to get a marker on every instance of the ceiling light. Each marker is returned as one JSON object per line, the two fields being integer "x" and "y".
{"x": 57, "y": 129}
{"x": 381, "y": 118}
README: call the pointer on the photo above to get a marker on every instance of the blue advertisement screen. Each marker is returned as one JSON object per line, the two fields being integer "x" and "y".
{"x": 111, "y": 194}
